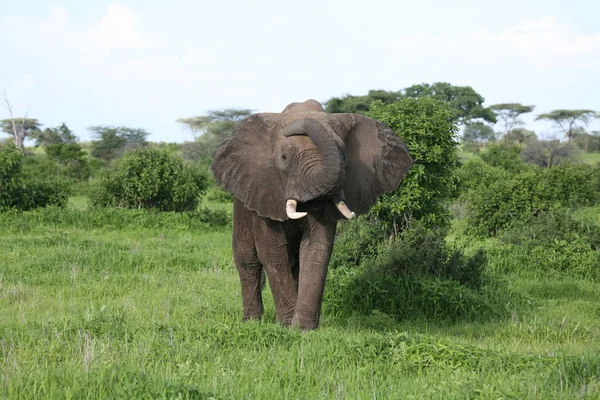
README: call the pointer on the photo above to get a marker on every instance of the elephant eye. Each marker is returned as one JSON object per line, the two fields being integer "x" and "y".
{"x": 283, "y": 157}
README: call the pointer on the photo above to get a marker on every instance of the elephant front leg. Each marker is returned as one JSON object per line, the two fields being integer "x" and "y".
{"x": 315, "y": 252}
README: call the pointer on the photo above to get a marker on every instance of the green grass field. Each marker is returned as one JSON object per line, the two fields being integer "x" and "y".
{"x": 152, "y": 310}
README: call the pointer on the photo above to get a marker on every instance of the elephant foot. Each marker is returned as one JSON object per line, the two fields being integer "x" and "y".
{"x": 305, "y": 324}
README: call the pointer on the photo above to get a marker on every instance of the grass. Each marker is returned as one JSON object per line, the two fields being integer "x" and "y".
{"x": 591, "y": 158}
{"x": 151, "y": 309}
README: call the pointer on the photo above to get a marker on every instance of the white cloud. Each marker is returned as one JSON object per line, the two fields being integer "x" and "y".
{"x": 117, "y": 29}
{"x": 545, "y": 43}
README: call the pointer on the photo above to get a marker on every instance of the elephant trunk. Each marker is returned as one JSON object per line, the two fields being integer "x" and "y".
{"x": 322, "y": 178}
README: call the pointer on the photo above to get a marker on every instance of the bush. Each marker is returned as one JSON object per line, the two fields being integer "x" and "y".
{"x": 22, "y": 192}
{"x": 547, "y": 153}
{"x": 152, "y": 179}
{"x": 505, "y": 156}
{"x": 426, "y": 127}
{"x": 357, "y": 240}
{"x": 496, "y": 200}
{"x": 420, "y": 277}
{"x": 217, "y": 193}
{"x": 554, "y": 242}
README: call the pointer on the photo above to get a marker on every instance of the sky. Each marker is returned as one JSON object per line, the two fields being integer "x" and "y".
{"x": 146, "y": 63}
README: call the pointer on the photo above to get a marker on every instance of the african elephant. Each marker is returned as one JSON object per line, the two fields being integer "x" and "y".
{"x": 293, "y": 175}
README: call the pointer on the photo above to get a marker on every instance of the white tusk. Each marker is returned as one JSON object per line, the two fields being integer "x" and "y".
{"x": 290, "y": 210}
{"x": 345, "y": 210}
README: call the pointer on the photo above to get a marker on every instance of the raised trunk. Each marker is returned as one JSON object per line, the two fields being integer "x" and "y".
{"x": 320, "y": 179}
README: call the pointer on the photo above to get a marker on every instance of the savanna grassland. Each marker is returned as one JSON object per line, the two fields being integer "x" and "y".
{"x": 125, "y": 304}
{"x": 477, "y": 278}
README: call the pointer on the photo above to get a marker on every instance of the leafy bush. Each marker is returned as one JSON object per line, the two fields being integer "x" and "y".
{"x": 217, "y": 193}
{"x": 420, "y": 276}
{"x": 496, "y": 200}
{"x": 551, "y": 243}
{"x": 426, "y": 127}
{"x": 71, "y": 158}
{"x": 357, "y": 240}
{"x": 22, "y": 192}
{"x": 505, "y": 156}
{"x": 152, "y": 179}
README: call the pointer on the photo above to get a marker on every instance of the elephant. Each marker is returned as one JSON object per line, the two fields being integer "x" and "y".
{"x": 293, "y": 175}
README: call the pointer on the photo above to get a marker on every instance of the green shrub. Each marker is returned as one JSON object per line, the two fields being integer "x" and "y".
{"x": 426, "y": 127}
{"x": 496, "y": 200}
{"x": 217, "y": 193}
{"x": 152, "y": 179}
{"x": 22, "y": 192}
{"x": 357, "y": 240}
{"x": 552, "y": 243}
{"x": 503, "y": 155}
{"x": 71, "y": 159}
{"x": 420, "y": 277}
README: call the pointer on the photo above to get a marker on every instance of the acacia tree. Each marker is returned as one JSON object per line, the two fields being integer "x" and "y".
{"x": 567, "y": 120}
{"x": 112, "y": 141}
{"x": 210, "y": 130}
{"x": 510, "y": 114}
{"x": 20, "y": 128}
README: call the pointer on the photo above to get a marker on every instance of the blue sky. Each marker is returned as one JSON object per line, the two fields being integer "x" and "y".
{"x": 147, "y": 63}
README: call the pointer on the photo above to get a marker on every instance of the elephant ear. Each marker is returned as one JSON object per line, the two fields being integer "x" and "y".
{"x": 244, "y": 166}
{"x": 376, "y": 160}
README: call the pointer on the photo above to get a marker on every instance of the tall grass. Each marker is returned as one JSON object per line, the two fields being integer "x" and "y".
{"x": 149, "y": 308}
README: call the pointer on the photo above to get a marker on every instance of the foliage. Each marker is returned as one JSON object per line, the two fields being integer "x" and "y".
{"x": 426, "y": 127}
{"x": 20, "y": 128}
{"x": 498, "y": 199}
{"x": 551, "y": 243}
{"x": 478, "y": 133}
{"x": 71, "y": 158}
{"x": 505, "y": 156}
{"x": 547, "y": 153}
{"x": 419, "y": 276}
{"x": 154, "y": 179}
{"x": 112, "y": 141}
{"x": 520, "y": 136}
{"x": 21, "y": 192}
{"x": 587, "y": 141}
{"x": 217, "y": 193}
{"x": 52, "y": 136}
{"x": 510, "y": 114}
{"x": 464, "y": 102}
{"x": 360, "y": 104}
{"x": 567, "y": 120}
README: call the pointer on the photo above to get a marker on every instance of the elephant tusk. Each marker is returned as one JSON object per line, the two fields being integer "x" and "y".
{"x": 290, "y": 210}
{"x": 343, "y": 208}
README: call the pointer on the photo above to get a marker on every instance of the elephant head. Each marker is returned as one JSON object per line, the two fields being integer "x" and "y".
{"x": 275, "y": 161}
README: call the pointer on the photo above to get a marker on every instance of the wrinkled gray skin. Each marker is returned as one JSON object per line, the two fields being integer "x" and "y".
{"x": 287, "y": 171}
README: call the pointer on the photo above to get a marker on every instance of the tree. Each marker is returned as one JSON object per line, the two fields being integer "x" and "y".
{"x": 360, "y": 104}
{"x": 210, "y": 130}
{"x": 477, "y": 133}
{"x": 112, "y": 141}
{"x": 59, "y": 135}
{"x": 589, "y": 142}
{"x": 19, "y": 128}
{"x": 465, "y": 103}
{"x": 547, "y": 153}
{"x": 509, "y": 113}
{"x": 521, "y": 135}
{"x": 567, "y": 120}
